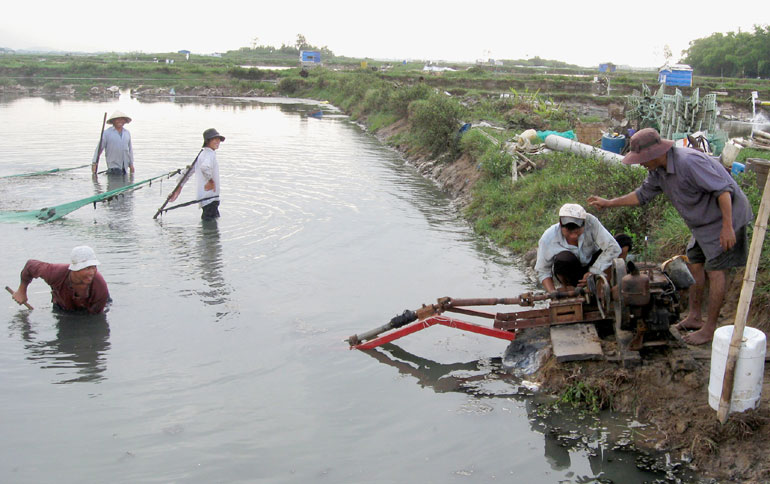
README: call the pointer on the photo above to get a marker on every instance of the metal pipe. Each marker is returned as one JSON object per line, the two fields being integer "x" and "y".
{"x": 396, "y": 322}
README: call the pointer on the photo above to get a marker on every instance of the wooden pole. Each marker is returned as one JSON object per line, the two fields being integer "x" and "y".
{"x": 29, "y": 306}
{"x": 178, "y": 188}
{"x": 741, "y": 313}
{"x": 99, "y": 148}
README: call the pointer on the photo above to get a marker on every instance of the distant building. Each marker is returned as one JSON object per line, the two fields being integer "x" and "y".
{"x": 309, "y": 58}
{"x": 607, "y": 67}
{"x": 675, "y": 75}
{"x": 186, "y": 54}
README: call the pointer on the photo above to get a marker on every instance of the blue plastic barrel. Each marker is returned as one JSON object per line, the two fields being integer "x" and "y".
{"x": 738, "y": 168}
{"x": 613, "y": 143}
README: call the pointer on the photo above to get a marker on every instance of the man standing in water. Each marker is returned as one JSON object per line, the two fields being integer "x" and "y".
{"x": 207, "y": 174}
{"x": 74, "y": 287}
{"x": 116, "y": 144}
{"x": 711, "y": 204}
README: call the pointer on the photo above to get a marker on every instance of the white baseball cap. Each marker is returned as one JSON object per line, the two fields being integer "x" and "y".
{"x": 572, "y": 213}
{"x": 82, "y": 256}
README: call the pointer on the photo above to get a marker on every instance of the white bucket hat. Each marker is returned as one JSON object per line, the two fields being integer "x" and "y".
{"x": 82, "y": 256}
{"x": 119, "y": 114}
{"x": 572, "y": 213}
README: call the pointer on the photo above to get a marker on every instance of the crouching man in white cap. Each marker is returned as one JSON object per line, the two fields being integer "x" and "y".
{"x": 116, "y": 144}
{"x": 74, "y": 287}
{"x": 572, "y": 249}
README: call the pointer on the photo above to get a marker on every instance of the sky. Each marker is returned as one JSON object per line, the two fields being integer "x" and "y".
{"x": 586, "y": 32}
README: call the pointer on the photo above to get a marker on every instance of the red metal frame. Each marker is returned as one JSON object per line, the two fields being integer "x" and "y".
{"x": 428, "y": 322}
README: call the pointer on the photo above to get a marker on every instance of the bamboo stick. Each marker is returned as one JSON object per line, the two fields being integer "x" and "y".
{"x": 11, "y": 291}
{"x": 741, "y": 313}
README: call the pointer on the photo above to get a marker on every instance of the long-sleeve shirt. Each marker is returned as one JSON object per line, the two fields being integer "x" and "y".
{"x": 594, "y": 238}
{"x": 62, "y": 292}
{"x": 693, "y": 181}
{"x": 118, "y": 152}
{"x": 207, "y": 168}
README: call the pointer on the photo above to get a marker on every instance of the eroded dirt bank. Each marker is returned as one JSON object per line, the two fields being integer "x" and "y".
{"x": 669, "y": 391}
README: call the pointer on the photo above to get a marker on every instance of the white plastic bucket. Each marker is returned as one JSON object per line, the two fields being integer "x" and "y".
{"x": 749, "y": 369}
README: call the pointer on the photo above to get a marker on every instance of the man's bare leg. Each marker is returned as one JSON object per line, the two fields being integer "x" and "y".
{"x": 693, "y": 318}
{"x": 716, "y": 298}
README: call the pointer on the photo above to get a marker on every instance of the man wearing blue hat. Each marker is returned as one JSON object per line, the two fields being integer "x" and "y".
{"x": 711, "y": 204}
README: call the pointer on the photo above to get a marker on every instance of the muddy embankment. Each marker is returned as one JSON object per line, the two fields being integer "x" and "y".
{"x": 668, "y": 392}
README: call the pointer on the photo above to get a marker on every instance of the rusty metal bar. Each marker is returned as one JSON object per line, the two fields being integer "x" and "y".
{"x": 460, "y": 306}
{"x": 442, "y": 320}
{"x": 472, "y": 312}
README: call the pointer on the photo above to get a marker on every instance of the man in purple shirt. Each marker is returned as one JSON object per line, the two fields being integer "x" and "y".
{"x": 74, "y": 287}
{"x": 711, "y": 204}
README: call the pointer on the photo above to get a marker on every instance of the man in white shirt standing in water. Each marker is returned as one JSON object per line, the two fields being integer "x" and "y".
{"x": 207, "y": 174}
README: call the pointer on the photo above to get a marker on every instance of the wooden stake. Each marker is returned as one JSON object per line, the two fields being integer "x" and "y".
{"x": 741, "y": 313}
{"x": 11, "y": 291}
{"x": 99, "y": 149}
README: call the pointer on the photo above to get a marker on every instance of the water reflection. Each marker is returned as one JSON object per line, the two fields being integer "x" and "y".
{"x": 210, "y": 262}
{"x": 199, "y": 257}
{"x": 567, "y": 443}
{"x": 81, "y": 344}
{"x": 453, "y": 377}
{"x": 744, "y": 129}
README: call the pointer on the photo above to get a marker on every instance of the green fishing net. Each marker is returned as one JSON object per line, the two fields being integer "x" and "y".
{"x": 49, "y": 214}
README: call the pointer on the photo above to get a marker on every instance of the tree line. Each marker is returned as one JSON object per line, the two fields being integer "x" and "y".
{"x": 734, "y": 54}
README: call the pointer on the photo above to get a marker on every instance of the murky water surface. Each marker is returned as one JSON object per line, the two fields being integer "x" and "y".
{"x": 222, "y": 357}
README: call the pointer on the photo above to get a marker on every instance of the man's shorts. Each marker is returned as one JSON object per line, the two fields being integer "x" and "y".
{"x": 735, "y": 257}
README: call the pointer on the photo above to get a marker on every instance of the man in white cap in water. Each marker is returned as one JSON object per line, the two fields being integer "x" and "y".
{"x": 572, "y": 249}
{"x": 74, "y": 287}
{"x": 116, "y": 144}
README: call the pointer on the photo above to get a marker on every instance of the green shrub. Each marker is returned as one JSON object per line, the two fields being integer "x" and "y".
{"x": 291, "y": 85}
{"x": 380, "y": 120}
{"x": 475, "y": 143}
{"x": 435, "y": 122}
{"x": 252, "y": 74}
{"x": 403, "y": 96}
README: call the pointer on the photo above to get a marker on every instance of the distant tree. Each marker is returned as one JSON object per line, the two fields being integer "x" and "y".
{"x": 740, "y": 54}
{"x": 301, "y": 42}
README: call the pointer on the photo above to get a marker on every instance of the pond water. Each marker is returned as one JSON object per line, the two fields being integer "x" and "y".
{"x": 222, "y": 357}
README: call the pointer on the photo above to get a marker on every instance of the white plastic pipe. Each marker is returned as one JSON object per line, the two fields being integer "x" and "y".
{"x": 558, "y": 143}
